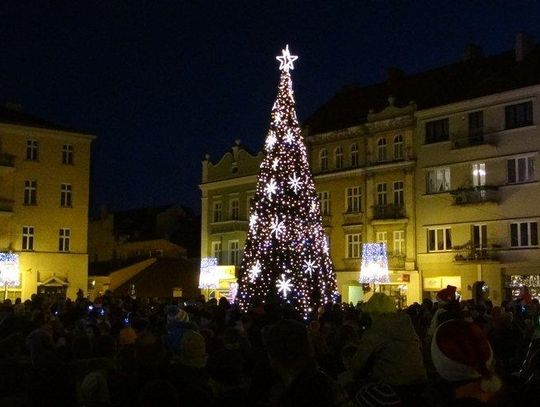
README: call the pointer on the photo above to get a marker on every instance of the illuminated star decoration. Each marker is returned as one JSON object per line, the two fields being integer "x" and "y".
{"x": 310, "y": 266}
{"x": 289, "y": 137}
{"x": 286, "y": 60}
{"x": 275, "y": 163}
{"x": 313, "y": 206}
{"x": 255, "y": 271}
{"x": 271, "y": 140}
{"x": 253, "y": 219}
{"x": 284, "y": 285}
{"x": 294, "y": 183}
{"x": 271, "y": 188}
{"x": 277, "y": 118}
{"x": 277, "y": 227}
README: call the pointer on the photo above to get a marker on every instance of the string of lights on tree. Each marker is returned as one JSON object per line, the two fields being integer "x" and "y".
{"x": 286, "y": 252}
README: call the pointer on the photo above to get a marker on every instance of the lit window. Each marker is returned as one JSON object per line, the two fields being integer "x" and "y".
{"x": 438, "y": 180}
{"x": 479, "y": 174}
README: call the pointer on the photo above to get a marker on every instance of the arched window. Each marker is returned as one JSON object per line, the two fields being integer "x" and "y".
{"x": 338, "y": 153}
{"x": 354, "y": 155}
{"x": 381, "y": 149}
{"x": 398, "y": 147}
{"x": 323, "y": 159}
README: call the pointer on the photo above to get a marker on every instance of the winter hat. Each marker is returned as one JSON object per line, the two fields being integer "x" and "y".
{"x": 193, "y": 349}
{"x": 461, "y": 352}
{"x": 380, "y": 303}
{"x": 377, "y": 394}
{"x": 447, "y": 294}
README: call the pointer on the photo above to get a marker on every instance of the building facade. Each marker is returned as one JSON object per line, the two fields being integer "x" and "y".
{"x": 44, "y": 187}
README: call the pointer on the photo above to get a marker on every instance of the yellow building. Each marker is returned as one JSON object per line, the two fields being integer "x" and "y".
{"x": 44, "y": 183}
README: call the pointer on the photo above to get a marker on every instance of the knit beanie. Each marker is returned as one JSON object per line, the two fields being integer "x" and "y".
{"x": 461, "y": 352}
{"x": 447, "y": 294}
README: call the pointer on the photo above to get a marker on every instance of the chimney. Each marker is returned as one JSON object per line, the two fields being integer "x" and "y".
{"x": 473, "y": 52}
{"x": 524, "y": 46}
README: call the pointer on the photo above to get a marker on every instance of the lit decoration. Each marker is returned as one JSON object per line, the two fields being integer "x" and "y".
{"x": 255, "y": 271}
{"x": 374, "y": 269}
{"x": 286, "y": 60}
{"x": 288, "y": 241}
{"x": 284, "y": 286}
{"x": 271, "y": 140}
{"x": 271, "y": 189}
{"x": 294, "y": 183}
{"x": 9, "y": 270}
{"x": 209, "y": 276}
{"x": 277, "y": 227}
{"x": 253, "y": 219}
{"x": 233, "y": 291}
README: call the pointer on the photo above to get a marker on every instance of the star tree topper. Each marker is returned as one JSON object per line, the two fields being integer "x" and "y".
{"x": 286, "y": 60}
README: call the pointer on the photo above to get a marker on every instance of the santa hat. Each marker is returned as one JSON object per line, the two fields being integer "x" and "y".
{"x": 447, "y": 294}
{"x": 461, "y": 352}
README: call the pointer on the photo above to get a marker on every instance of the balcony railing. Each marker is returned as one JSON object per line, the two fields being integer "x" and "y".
{"x": 229, "y": 226}
{"x": 471, "y": 138}
{"x": 479, "y": 194}
{"x": 475, "y": 255}
{"x": 388, "y": 211}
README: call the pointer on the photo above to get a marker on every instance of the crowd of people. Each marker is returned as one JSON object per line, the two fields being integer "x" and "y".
{"x": 128, "y": 352}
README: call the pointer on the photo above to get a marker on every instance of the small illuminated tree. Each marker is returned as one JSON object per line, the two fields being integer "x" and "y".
{"x": 286, "y": 252}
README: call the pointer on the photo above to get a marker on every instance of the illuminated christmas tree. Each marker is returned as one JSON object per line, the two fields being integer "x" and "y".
{"x": 286, "y": 251}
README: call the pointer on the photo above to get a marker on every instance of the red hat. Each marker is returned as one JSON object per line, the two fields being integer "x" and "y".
{"x": 461, "y": 352}
{"x": 447, "y": 294}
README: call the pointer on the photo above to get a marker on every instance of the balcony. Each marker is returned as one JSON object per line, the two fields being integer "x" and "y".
{"x": 475, "y": 255}
{"x": 388, "y": 211}
{"x": 473, "y": 195}
{"x": 229, "y": 226}
{"x": 6, "y": 207}
{"x": 472, "y": 138}
{"x": 7, "y": 163}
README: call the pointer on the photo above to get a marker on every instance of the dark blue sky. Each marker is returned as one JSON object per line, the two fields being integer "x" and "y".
{"x": 163, "y": 82}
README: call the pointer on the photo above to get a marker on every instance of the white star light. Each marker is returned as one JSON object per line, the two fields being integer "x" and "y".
{"x": 254, "y": 271}
{"x": 310, "y": 266}
{"x": 253, "y": 219}
{"x": 271, "y": 188}
{"x": 271, "y": 140}
{"x": 277, "y": 227}
{"x": 286, "y": 60}
{"x": 294, "y": 183}
{"x": 275, "y": 163}
{"x": 289, "y": 137}
{"x": 284, "y": 285}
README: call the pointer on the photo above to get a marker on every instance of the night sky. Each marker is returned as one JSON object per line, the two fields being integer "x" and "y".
{"x": 161, "y": 83}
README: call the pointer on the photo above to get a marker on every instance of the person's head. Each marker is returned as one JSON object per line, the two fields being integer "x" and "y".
{"x": 461, "y": 353}
{"x": 447, "y": 294}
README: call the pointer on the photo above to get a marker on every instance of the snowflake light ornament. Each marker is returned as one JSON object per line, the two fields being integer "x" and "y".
{"x": 271, "y": 188}
{"x": 284, "y": 286}
{"x": 277, "y": 118}
{"x": 253, "y": 219}
{"x": 275, "y": 163}
{"x": 289, "y": 137}
{"x": 295, "y": 183}
{"x": 254, "y": 271}
{"x": 286, "y": 60}
{"x": 277, "y": 227}
{"x": 310, "y": 266}
{"x": 271, "y": 140}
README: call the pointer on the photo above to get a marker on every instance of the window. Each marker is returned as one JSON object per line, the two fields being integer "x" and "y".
{"x": 438, "y": 180}
{"x": 476, "y": 124}
{"x": 67, "y": 154}
{"x": 323, "y": 159}
{"x": 439, "y": 239}
{"x": 216, "y": 250}
{"x": 234, "y": 252}
{"x": 399, "y": 199}
{"x": 381, "y": 194}
{"x": 30, "y": 192}
{"x": 479, "y": 174}
{"x": 28, "y": 238}
{"x": 381, "y": 149}
{"x": 479, "y": 236}
{"x": 324, "y": 199}
{"x": 353, "y": 199}
{"x": 353, "y": 246}
{"x": 518, "y": 115}
{"x": 355, "y": 159}
{"x": 65, "y": 195}
{"x": 235, "y": 209}
{"x": 63, "y": 239}
{"x": 382, "y": 237}
{"x": 339, "y": 157}
{"x": 524, "y": 234}
{"x": 398, "y": 147}
{"x": 520, "y": 170}
{"x": 437, "y": 131}
{"x": 32, "y": 150}
{"x": 399, "y": 242}
{"x": 216, "y": 213}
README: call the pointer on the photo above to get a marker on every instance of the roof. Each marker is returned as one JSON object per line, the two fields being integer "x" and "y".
{"x": 15, "y": 116}
{"x": 463, "y": 80}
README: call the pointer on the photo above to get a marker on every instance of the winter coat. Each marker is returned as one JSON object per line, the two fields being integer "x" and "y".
{"x": 389, "y": 351}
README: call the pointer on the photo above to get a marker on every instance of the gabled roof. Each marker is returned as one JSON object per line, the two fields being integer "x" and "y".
{"x": 464, "y": 80}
